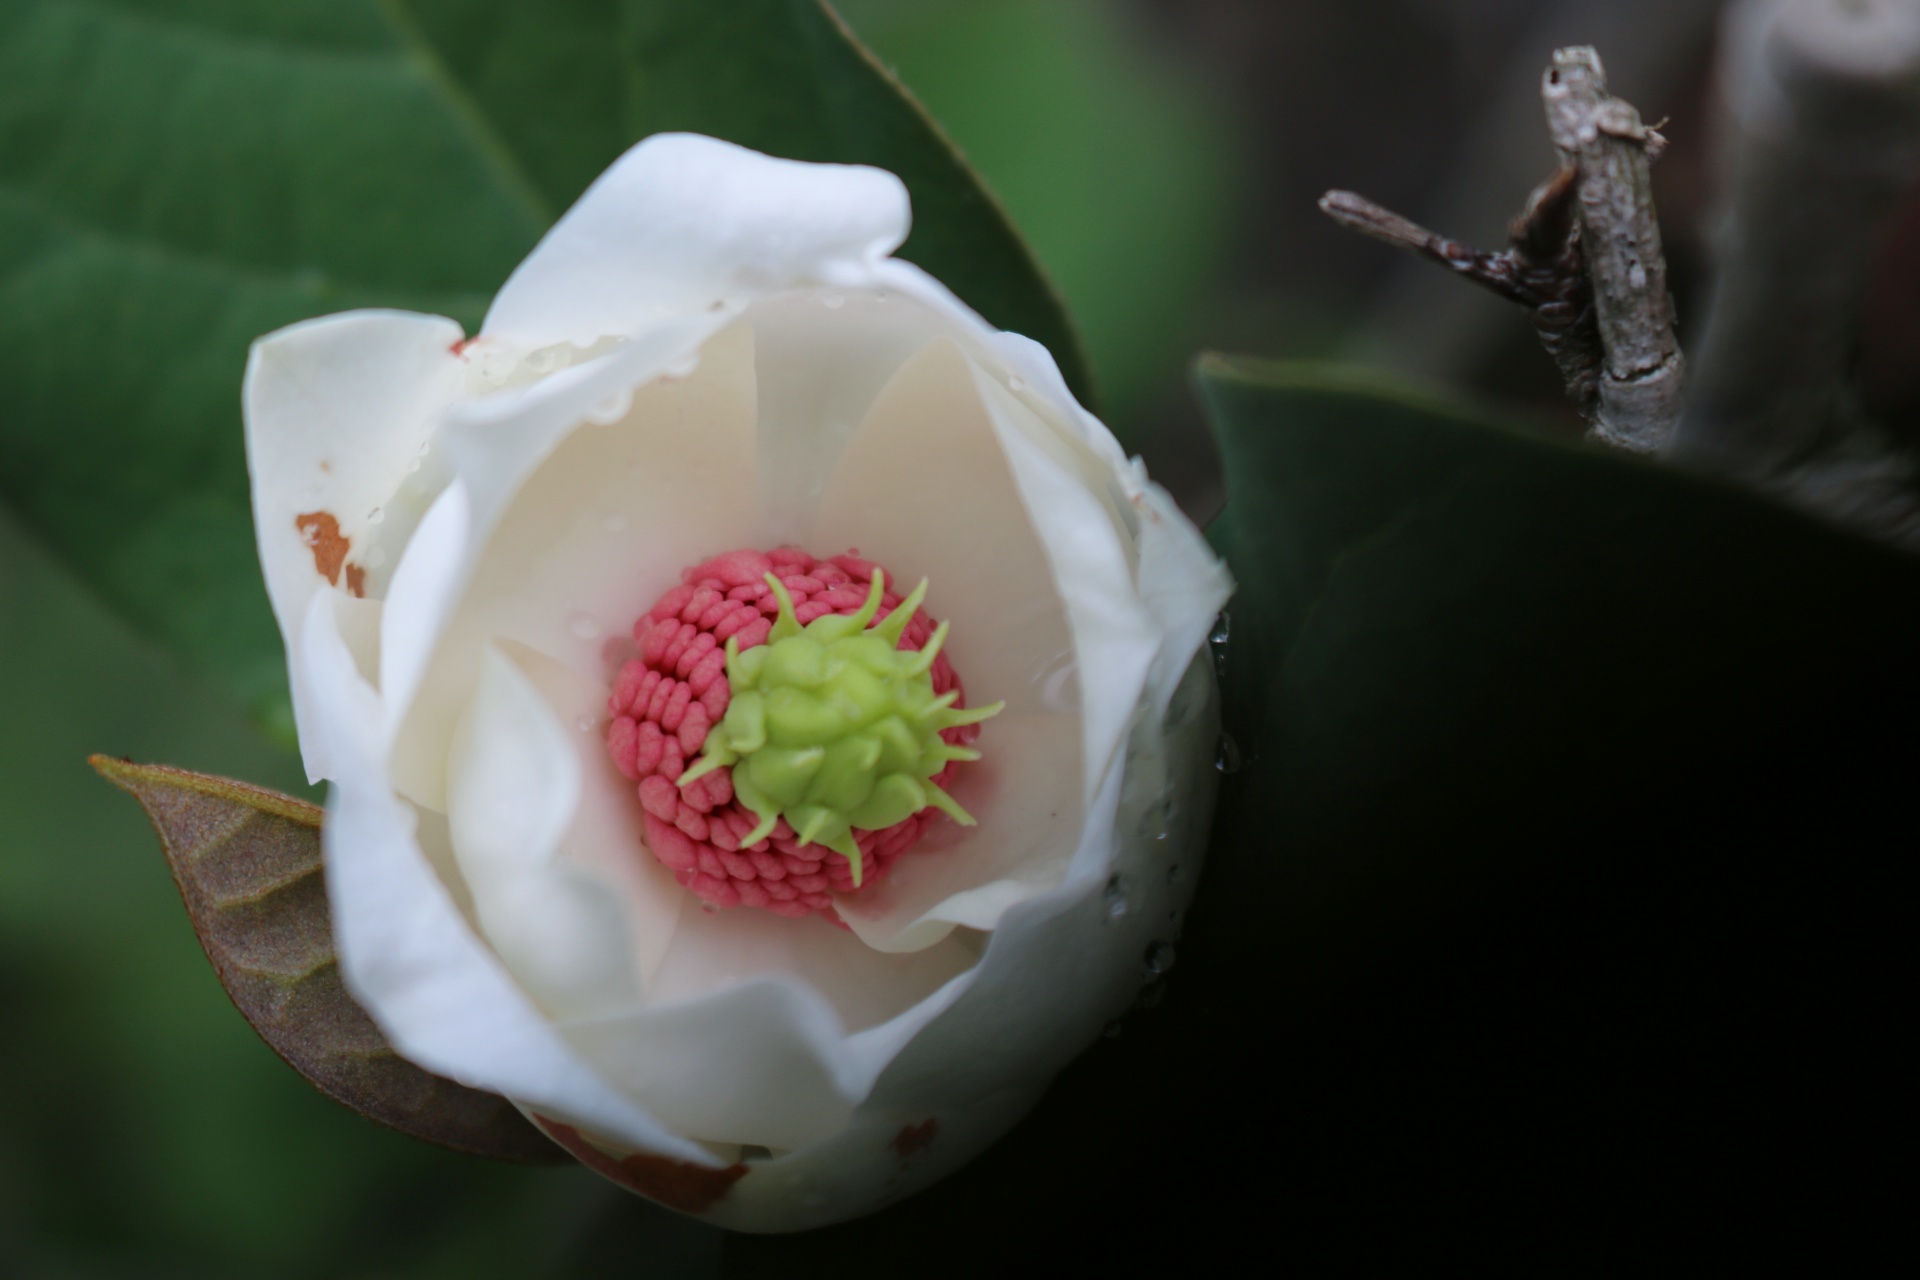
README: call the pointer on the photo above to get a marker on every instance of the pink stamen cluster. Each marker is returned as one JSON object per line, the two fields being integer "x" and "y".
{"x": 666, "y": 700}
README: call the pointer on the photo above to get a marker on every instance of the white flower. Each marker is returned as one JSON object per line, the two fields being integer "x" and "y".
{"x": 713, "y": 351}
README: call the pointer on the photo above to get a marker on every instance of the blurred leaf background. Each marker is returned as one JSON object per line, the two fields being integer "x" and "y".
{"x": 1162, "y": 157}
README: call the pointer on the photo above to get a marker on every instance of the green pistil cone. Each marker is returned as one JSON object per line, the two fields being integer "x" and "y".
{"x": 833, "y": 727}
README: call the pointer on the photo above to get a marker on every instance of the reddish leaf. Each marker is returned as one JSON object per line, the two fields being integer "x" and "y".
{"x": 248, "y": 865}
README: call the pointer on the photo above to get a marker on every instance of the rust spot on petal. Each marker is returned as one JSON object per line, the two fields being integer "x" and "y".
{"x": 356, "y": 580}
{"x": 914, "y": 1137}
{"x": 677, "y": 1184}
{"x": 320, "y": 531}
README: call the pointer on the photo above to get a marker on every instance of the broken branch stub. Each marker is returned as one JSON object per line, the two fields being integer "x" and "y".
{"x": 1541, "y": 269}
{"x": 1642, "y": 380}
{"x": 248, "y": 865}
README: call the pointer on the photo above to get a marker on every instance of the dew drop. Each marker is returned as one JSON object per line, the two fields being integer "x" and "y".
{"x": 833, "y": 302}
{"x": 583, "y": 626}
{"x": 1016, "y": 384}
{"x": 1227, "y": 756}
{"x": 611, "y": 410}
{"x": 496, "y": 365}
{"x": 1111, "y": 1030}
{"x": 585, "y": 724}
{"x": 1173, "y": 874}
{"x": 614, "y": 524}
{"x": 682, "y": 367}
{"x": 1158, "y": 817}
{"x": 1116, "y": 898}
{"x": 1217, "y": 642}
{"x": 1159, "y": 958}
{"x": 1152, "y": 994}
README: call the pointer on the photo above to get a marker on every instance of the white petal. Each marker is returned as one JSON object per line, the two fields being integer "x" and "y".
{"x": 746, "y": 1035}
{"x": 604, "y": 834}
{"x": 438, "y": 993}
{"x": 513, "y": 786}
{"x": 821, "y": 358}
{"x": 335, "y": 410}
{"x": 1114, "y": 635}
{"x": 681, "y": 222}
{"x": 584, "y": 543}
{"x": 1182, "y": 582}
{"x": 750, "y": 1065}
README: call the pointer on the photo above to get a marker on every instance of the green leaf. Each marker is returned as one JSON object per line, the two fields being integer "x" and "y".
{"x": 248, "y": 865}
{"x": 180, "y": 176}
{"x": 1447, "y": 630}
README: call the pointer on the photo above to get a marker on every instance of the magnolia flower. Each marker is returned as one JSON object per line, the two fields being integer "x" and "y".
{"x": 665, "y": 798}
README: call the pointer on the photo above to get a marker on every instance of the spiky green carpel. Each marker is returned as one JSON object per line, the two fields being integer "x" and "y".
{"x": 832, "y": 726}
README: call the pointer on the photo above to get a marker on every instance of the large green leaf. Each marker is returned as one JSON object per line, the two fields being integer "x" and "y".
{"x": 179, "y": 176}
{"x": 1560, "y": 889}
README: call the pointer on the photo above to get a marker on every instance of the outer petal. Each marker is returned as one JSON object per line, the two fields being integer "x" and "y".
{"x": 681, "y": 222}
{"x": 336, "y": 409}
{"x": 440, "y": 995}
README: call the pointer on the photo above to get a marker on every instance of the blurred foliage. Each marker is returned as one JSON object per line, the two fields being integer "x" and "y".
{"x": 1119, "y": 166}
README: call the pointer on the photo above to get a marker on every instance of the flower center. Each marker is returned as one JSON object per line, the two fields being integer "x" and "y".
{"x": 826, "y": 715}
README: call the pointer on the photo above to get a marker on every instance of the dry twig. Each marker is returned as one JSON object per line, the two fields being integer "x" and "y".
{"x": 1643, "y": 378}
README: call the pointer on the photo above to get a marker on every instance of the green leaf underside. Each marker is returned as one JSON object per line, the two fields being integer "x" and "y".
{"x": 178, "y": 177}
{"x": 1446, "y": 631}
{"x": 248, "y": 865}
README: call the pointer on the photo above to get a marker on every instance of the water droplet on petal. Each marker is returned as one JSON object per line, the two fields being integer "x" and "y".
{"x": 585, "y": 723}
{"x": 1218, "y": 640}
{"x": 611, "y": 410}
{"x": 682, "y": 367}
{"x": 1227, "y": 758}
{"x": 1116, "y": 898}
{"x": 1159, "y": 958}
{"x": 583, "y": 626}
{"x": 1016, "y": 384}
{"x": 1173, "y": 874}
{"x": 1152, "y": 994}
{"x": 1158, "y": 817}
{"x": 1111, "y": 1030}
{"x": 833, "y": 301}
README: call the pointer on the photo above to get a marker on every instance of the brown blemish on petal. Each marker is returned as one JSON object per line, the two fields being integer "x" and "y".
{"x": 320, "y": 531}
{"x": 677, "y": 1184}
{"x": 356, "y": 580}
{"x": 914, "y": 1137}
